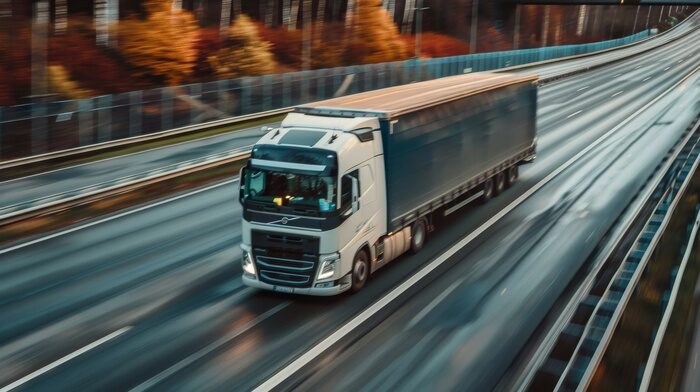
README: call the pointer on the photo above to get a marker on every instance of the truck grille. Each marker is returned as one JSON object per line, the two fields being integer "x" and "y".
{"x": 287, "y": 260}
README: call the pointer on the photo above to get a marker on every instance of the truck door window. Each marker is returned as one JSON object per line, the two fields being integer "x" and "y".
{"x": 346, "y": 189}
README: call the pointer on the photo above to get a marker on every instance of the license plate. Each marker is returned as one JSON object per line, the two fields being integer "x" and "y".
{"x": 283, "y": 289}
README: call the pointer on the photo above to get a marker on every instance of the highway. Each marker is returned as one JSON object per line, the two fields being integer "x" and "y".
{"x": 150, "y": 298}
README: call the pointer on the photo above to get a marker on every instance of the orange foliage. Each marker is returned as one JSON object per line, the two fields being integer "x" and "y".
{"x": 497, "y": 40}
{"x": 437, "y": 45}
{"x": 374, "y": 37}
{"x": 163, "y": 45}
{"x": 286, "y": 44}
{"x": 244, "y": 53}
{"x": 77, "y": 53}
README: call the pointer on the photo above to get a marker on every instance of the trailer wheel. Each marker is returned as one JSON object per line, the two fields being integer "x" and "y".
{"x": 419, "y": 232}
{"x": 512, "y": 175}
{"x": 500, "y": 183}
{"x": 488, "y": 190}
{"x": 360, "y": 270}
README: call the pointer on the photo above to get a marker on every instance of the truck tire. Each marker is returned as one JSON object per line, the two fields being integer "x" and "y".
{"x": 500, "y": 183}
{"x": 419, "y": 233}
{"x": 488, "y": 190}
{"x": 360, "y": 270}
{"x": 511, "y": 175}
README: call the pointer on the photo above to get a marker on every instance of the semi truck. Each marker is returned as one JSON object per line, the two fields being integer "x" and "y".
{"x": 346, "y": 185}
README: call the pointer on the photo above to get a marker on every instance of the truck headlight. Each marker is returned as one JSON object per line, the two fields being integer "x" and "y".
{"x": 328, "y": 264}
{"x": 247, "y": 263}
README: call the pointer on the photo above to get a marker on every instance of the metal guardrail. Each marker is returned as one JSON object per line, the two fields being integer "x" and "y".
{"x": 61, "y": 201}
{"x": 77, "y": 152}
{"x": 668, "y": 309}
{"x": 572, "y": 359}
{"x": 35, "y": 129}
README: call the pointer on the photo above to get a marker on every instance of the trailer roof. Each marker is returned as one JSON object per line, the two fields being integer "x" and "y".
{"x": 393, "y": 101}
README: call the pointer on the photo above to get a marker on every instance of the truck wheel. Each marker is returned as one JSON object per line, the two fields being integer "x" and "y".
{"x": 419, "y": 233}
{"x": 512, "y": 175}
{"x": 500, "y": 183}
{"x": 488, "y": 190}
{"x": 360, "y": 270}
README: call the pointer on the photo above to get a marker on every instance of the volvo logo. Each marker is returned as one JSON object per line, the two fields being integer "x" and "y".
{"x": 284, "y": 220}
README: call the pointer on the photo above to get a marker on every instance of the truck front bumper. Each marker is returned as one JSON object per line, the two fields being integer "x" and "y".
{"x": 318, "y": 291}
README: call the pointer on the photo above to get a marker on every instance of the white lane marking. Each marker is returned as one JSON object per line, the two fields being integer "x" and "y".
{"x": 155, "y": 380}
{"x": 667, "y": 68}
{"x": 637, "y": 67}
{"x": 617, "y": 93}
{"x": 574, "y": 114}
{"x": 618, "y": 75}
{"x": 435, "y": 302}
{"x": 63, "y": 360}
{"x": 110, "y": 218}
{"x": 278, "y": 378}
{"x": 583, "y": 88}
{"x": 647, "y": 78}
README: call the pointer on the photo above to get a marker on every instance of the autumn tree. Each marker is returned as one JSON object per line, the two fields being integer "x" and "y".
{"x": 163, "y": 45}
{"x": 61, "y": 83}
{"x": 244, "y": 52}
{"x": 374, "y": 37}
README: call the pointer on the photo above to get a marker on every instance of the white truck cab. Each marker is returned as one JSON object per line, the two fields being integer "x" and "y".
{"x": 313, "y": 195}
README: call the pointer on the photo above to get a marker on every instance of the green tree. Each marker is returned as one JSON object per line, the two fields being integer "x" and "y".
{"x": 163, "y": 45}
{"x": 244, "y": 52}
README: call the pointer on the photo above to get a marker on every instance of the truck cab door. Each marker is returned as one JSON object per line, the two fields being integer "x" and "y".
{"x": 351, "y": 211}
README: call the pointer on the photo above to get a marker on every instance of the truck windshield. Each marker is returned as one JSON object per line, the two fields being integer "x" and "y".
{"x": 291, "y": 189}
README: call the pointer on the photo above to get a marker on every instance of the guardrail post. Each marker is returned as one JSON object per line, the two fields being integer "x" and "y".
{"x": 135, "y": 111}
{"x": 322, "y": 85}
{"x": 286, "y": 91}
{"x": 40, "y": 134}
{"x": 245, "y": 95}
{"x": 166, "y": 108}
{"x": 85, "y": 123}
{"x": 222, "y": 97}
{"x": 104, "y": 118}
{"x": 305, "y": 86}
{"x": 194, "y": 91}
{"x": 368, "y": 73}
{"x": 266, "y": 92}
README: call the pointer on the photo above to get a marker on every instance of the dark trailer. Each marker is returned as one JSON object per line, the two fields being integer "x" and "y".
{"x": 447, "y": 139}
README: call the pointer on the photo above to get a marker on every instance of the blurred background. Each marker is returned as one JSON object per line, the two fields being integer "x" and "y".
{"x": 77, "y": 49}
{"x": 73, "y": 73}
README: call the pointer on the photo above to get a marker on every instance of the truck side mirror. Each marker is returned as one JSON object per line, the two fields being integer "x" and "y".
{"x": 241, "y": 180}
{"x": 355, "y": 195}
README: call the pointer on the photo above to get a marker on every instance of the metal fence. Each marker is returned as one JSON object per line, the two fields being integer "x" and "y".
{"x": 39, "y": 128}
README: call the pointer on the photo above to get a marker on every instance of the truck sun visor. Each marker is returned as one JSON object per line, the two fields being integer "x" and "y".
{"x": 276, "y": 165}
